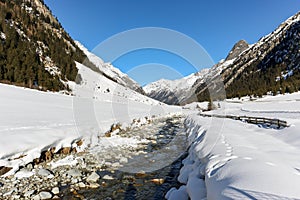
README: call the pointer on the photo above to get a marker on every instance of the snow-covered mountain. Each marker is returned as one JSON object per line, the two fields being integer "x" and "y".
{"x": 270, "y": 65}
{"x": 108, "y": 70}
{"x": 183, "y": 90}
{"x": 173, "y": 92}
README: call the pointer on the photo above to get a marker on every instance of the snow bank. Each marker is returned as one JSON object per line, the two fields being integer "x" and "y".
{"x": 240, "y": 161}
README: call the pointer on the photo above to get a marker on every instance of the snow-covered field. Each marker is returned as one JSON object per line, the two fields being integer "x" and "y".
{"x": 32, "y": 121}
{"x": 231, "y": 159}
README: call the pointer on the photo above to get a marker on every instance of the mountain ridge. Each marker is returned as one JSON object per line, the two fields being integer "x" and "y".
{"x": 270, "y": 65}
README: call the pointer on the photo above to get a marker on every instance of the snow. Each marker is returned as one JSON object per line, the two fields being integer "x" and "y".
{"x": 69, "y": 160}
{"x": 180, "y": 194}
{"x": 108, "y": 69}
{"x": 179, "y": 84}
{"x": 181, "y": 88}
{"x": 230, "y": 159}
{"x": 173, "y": 85}
{"x": 184, "y": 89}
{"x": 24, "y": 173}
{"x": 185, "y": 83}
{"x": 32, "y": 121}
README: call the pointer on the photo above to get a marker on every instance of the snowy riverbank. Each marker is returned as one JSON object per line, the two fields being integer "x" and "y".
{"x": 32, "y": 121}
{"x": 100, "y": 171}
{"x": 231, "y": 159}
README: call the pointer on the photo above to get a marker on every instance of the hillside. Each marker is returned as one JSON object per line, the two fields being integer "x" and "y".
{"x": 270, "y": 66}
{"x": 35, "y": 50}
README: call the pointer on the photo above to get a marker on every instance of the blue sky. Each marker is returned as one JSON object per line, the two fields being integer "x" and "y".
{"x": 215, "y": 24}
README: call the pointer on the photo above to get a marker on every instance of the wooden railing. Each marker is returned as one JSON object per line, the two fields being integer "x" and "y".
{"x": 253, "y": 120}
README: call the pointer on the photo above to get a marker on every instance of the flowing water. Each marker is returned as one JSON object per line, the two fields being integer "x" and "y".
{"x": 148, "y": 175}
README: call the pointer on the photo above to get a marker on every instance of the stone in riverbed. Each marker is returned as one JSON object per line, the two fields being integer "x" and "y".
{"x": 55, "y": 190}
{"x": 94, "y": 185}
{"x": 36, "y": 197}
{"x": 103, "y": 184}
{"x": 94, "y": 177}
{"x": 16, "y": 196}
{"x": 44, "y": 172}
{"x": 29, "y": 193}
{"x": 107, "y": 164}
{"x": 157, "y": 181}
{"x": 108, "y": 177}
{"x": 74, "y": 181}
{"x": 45, "y": 195}
{"x": 81, "y": 185}
{"x": 73, "y": 173}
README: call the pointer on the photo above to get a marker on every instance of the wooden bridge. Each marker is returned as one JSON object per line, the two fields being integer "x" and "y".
{"x": 252, "y": 120}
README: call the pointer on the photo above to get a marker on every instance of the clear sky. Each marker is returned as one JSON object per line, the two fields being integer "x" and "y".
{"x": 215, "y": 24}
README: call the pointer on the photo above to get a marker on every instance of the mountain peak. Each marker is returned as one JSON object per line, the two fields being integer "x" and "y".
{"x": 237, "y": 49}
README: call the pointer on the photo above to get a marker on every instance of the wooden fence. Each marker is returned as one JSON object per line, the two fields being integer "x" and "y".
{"x": 253, "y": 120}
